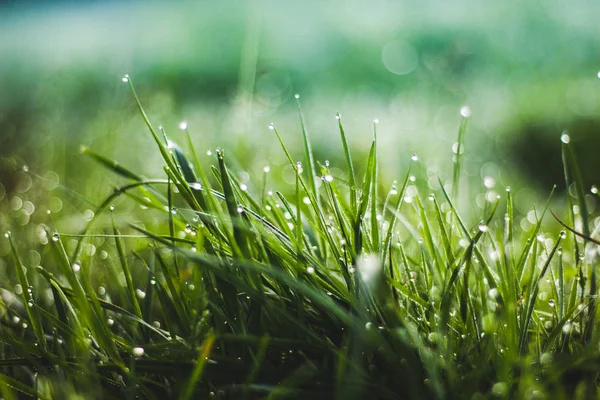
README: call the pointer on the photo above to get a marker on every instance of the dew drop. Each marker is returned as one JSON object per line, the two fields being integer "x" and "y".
{"x": 25, "y": 168}
{"x": 598, "y": 74}
{"x": 376, "y": 121}
{"x": 328, "y": 178}
{"x": 297, "y": 96}
{"x": 594, "y": 189}
{"x": 125, "y": 78}
{"x": 183, "y": 125}
{"x": 414, "y": 157}
{"x": 565, "y": 138}
{"x": 196, "y": 186}
{"x": 338, "y": 116}
{"x": 483, "y": 227}
{"x": 266, "y": 169}
{"x": 138, "y": 351}
{"x": 208, "y": 153}
{"x": 111, "y": 207}
{"x": 465, "y": 111}
{"x": 76, "y": 267}
{"x": 56, "y": 237}
{"x": 140, "y": 294}
{"x": 7, "y": 234}
{"x": 271, "y": 126}
{"x": 551, "y": 303}
{"x": 243, "y": 187}
{"x": 310, "y": 270}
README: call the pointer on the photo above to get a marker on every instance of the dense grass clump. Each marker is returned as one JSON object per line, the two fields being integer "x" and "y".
{"x": 335, "y": 287}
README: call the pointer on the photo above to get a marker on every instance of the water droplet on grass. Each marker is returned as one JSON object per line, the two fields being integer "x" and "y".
{"x": 551, "y": 303}
{"x": 125, "y": 78}
{"x": 297, "y": 96}
{"x": 310, "y": 270}
{"x": 328, "y": 178}
{"x": 266, "y": 169}
{"x": 483, "y": 227}
{"x": 271, "y": 126}
{"x": 594, "y": 189}
{"x": 138, "y": 351}
{"x": 25, "y": 168}
{"x": 376, "y": 121}
{"x": 414, "y": 157}
{"x": 56, "y": 237}
{"x": 338, "y": 116}
{"x": 183, "y": 125}
{"x": 76, "y": 267}
{"x": 465, "y": 111}
{"x": 565, "y": 138}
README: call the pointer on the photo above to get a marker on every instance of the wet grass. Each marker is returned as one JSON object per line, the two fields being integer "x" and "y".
{"x": 336, "y": 286}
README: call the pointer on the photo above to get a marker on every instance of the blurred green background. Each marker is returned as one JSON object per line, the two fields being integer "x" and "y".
{"x": 528, "y": 70}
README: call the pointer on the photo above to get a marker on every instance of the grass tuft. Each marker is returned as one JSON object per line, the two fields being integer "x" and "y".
{"x": 324, "y": 289}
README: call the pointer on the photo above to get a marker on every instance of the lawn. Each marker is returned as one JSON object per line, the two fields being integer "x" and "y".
{"x": 419, "y": 222}
{"x": 194, "y": 284}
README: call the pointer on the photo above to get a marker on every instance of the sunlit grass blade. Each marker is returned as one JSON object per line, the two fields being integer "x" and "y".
{"x": 126, "y": 271}
{"x": 460, "y": 143}
{"x": 350, "y": 165}
{"x": 27, "y": 295}
{"x": 308, "y": 153}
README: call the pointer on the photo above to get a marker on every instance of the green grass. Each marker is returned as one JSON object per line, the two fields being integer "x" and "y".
{"x": 337, "y": 286}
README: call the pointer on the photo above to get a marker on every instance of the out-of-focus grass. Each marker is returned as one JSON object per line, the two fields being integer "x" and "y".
{"x": 229, "y": 68}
